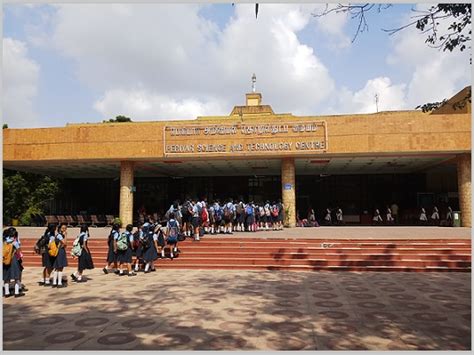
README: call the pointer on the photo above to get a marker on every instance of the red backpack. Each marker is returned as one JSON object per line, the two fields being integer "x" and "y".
{"x": 204, "y": 214}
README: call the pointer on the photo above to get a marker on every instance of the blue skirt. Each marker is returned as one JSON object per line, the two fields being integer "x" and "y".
{"x": 85, "y": 261}
{"x": 111, "y": 256}
{"x": 47, "y": 260}
{"x": 12, "y": 271}
{"x": 124, "y": 256}
{"x": 138, "y": 252}
{"x": 60, "y": 260}
{"x": 150, "y": 254}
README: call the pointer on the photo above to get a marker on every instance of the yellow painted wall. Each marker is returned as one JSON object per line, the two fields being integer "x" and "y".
{"x": 386, "y": 132}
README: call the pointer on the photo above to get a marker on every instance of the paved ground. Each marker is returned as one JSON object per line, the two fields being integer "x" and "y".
{"x": 218, "y": 310}
{"x": 378, "y": 232}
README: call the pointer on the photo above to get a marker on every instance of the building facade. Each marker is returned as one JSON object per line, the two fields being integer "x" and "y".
{"x": 357, "y": 162}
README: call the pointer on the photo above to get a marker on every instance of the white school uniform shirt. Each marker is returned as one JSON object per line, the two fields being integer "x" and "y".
{"x": 196, "y": 210}
{"x": 11, "y": 240}
{"x": 230, "y": 206}
{"x": 168, "y": 224}
{"x": 423, "y": 215}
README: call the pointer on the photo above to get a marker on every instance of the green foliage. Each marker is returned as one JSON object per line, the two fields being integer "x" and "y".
{"x": 5, "y": 125}
{"x": 117, "y": 119}
{"x": 24, "y": 194}
{"x": 458, "y": 15}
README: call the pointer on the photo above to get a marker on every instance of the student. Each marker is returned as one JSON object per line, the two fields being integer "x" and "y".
{"x": 12, "y": 268}
{"x": 449, "y": 217}
{"x": 205, "y": 221}
{"x": 196, "y": 220}
{"x": 377, "y": 218}
{"x": 423, "y": 219}
{"x": 124, "y": 251}
{"x": 274, "y": 212}
{"x": 328, "y": 218}
{"x": 150, "y": 247}
{"x": 311, "y": 215}
{"x": 172, "y": 231}
{"x": 389, "y": 217}
{"x": 60, "y": 260}
{"x": 281, "y": 215}
{"x": 435, "y": 216}
{"x": 339, "y": 216}
{"x": 218, "y": 217}
{"x": 228, "y": 216}
{"x": 250, "y": 217}
{"x": 267, "y": 217}
{"x": 240, "y": 216}
{"x": 84, "y": 261}
{"x": 41, "y": 247}
{"x": 112, "y": 252}
{"x": 187, "y": 213}
{"x": 137, "y": 248}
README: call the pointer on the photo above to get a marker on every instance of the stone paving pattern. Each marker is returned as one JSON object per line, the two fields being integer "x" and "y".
{"x": 243, "y": 310}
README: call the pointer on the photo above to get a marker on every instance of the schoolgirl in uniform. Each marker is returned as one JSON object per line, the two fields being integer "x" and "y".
{"x": 280, "y": 214}
{"x": 339, "y": 216}
{"x": 390, "y": 219}
{"x": 212, "y": 219}
{"x": 327, "y": 218}
{"x": 112, "y": 253}
{"x": 84, "y": 261}
{"x": 377, "y": 219}
{"x": 125, "y": 256}
{"x": 46, "y": 259}
{"x": 12, "y": 268}
{"x": 423, "y": 218}
{"x": 240, "y": 211}
{"x": 435, "y": 216}
{"x": 267, "y": 217}
{"x": 250, "y": 216}
{"x": 172, "y": 230}
{"x": 60, "y": 261}
{"x": 449, "y": 217}
{"x": 150, "y": 248}
{"x": 137, "y": 249}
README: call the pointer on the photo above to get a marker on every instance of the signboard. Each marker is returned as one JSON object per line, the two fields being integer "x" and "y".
{"x": 245, "y": 138}
{"x": 287, "y": 187}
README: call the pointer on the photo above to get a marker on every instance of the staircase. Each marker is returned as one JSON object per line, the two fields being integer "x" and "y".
{"x": 300, "y": 254}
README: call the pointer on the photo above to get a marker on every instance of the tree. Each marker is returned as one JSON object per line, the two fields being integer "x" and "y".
{"x": 448, "y": 27}
{"x": 25, "y": 194}
{"x": 5, "y": 125}
{"x": 119, "y": 118}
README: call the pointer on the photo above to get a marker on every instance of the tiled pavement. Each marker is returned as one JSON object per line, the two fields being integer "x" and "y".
{"x": 221, "y": 309}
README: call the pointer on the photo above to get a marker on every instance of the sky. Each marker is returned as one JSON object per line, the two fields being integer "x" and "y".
{"x": 73, "y": 63}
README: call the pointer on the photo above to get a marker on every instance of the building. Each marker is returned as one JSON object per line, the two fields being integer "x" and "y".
{"x": 357, "y": 162}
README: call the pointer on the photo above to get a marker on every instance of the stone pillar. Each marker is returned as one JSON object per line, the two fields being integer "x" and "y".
{"x": 464, "y": 188}
{"x": 126, "y": 194}
{"x": 288, "y": 190}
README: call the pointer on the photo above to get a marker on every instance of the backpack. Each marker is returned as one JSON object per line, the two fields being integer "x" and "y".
{"x": 146, "y": 239}
{"x": 226, "y": 212}
{"x": 41, "y": 244}
{"x": 7, "y": 253}
{"x": 239, "y": 209}
{"x": 249, "y": 210}
{"x": 267, "y": 210}
{"x": 204, "y": 214}
{"x": 136, "y": 240}
{"x": 173, "y": 232}
{"x": 219, "y": 213}
{"x": 122, "y": 241}
{"x": 262, "y": 211}
{"x": 185, "y": 209}
{"x": 53, "y": 249}
{"x": 76, "y": 247}
{"x": 199, "y": 208}
{"x": 275, "y": 211}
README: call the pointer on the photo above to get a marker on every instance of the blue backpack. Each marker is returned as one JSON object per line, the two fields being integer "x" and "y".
{"x": 173, "y": 233}
{"x": 249, "y": 210}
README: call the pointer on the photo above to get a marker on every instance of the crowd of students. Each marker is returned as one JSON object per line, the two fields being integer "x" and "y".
{"x": 198, "y": 217}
